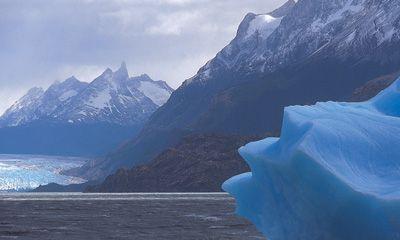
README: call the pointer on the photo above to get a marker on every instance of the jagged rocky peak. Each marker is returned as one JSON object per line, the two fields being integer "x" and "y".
{"x": 111, "y": 79}
{"x": 122, "y": 72}
{"x": 107, "y": 99}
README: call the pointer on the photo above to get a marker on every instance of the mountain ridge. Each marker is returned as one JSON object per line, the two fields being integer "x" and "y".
{"x": 110, "y": 98}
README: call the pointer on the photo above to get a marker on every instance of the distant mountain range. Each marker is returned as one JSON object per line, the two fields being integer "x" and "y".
{"x": 113, "y": 97}
{"x": 301, "y": 53}
{"x": 74, "y": 117}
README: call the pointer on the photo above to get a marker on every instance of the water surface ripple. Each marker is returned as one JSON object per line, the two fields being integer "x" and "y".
{"x": 121, "y": 216}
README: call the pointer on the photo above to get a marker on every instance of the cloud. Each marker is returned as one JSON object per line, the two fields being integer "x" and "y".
{"x": 174, "y": 23}
{"x": 45, "y": 40}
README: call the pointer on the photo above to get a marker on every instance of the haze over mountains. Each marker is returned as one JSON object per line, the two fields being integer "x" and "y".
{"x": 105, "y": 112}
{"x": 304, "y": 52}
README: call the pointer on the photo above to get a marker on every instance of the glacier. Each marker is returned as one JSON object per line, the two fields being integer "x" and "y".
{"x": 26, "y": 172}
{"x": 333, "y": 174}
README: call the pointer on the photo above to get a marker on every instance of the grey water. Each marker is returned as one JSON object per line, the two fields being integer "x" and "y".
{"x": 121, "y": 216}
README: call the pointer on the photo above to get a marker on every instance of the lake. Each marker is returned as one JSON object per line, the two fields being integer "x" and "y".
{"x": 121, "y": 216}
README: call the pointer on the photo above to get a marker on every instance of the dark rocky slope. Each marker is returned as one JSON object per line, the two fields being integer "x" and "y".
{"x": 373, "y": 87}
{"x": 198, "y": 164}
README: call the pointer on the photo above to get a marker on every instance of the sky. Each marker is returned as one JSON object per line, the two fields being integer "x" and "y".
{"x": 44, "y": 41}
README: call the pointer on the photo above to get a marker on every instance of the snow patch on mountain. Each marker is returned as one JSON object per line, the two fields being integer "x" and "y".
{"x": 67, "y": 95}
{"x": 158, "y": 95}
{"x": 158, "y": 91}
{"x": 263, "y": 25}
{"x": 100, "y": 101}
{"x": 350, "y": 7}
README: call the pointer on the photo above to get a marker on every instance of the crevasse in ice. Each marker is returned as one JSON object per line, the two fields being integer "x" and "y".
{"x": 333, "y": 174}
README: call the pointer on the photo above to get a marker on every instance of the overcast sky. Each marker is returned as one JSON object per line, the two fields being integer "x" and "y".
{"x": 42, "y": 41}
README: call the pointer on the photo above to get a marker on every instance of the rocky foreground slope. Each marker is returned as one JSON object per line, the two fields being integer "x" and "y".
{"x": 199, "y": 163}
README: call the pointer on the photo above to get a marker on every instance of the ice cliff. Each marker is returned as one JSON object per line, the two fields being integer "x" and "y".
{"x": 333, "y": 174}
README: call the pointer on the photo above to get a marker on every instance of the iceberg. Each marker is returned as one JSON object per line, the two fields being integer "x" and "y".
{"x": 333, "y": 174}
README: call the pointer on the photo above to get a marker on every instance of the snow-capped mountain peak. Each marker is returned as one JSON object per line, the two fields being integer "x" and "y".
{"x": 113, "y": 97}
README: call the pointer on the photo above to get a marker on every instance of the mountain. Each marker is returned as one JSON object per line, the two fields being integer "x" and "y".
{"x": 113, "y": 97}
{"x": 307, "y": 51}
{"x": 74, "y": 118}
{"x": 109, "y": 98}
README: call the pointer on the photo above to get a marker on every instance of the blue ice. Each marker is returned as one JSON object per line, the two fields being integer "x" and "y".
{"x": 333, "y": 174}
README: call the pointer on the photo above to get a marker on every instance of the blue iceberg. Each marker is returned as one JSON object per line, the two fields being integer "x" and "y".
{"x": 333, "y": 174}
